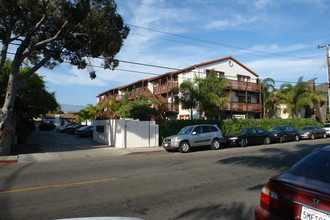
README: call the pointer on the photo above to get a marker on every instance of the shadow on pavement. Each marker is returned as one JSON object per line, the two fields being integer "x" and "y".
{"x": 53, "y": 141}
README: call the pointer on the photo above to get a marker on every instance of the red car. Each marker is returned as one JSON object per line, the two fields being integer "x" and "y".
{"x": 301, "y": 193}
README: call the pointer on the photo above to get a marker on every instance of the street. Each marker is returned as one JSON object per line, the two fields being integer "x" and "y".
{"x": 203, "y": 184}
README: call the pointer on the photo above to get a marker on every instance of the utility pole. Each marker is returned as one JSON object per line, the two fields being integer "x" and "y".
{"x": 328, "y": 65}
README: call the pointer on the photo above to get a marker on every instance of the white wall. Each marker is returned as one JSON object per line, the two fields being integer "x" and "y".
{"x": 124, "y": 133}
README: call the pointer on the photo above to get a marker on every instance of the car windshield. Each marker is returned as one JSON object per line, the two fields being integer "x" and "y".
{"x": 185, "y": 130}
{"x": 243, "y": 131}
{"x": 307, "y": 128}
{"x": 276, "y": 129}
{"x": 315, "y": 166}
{"x": 327, "y": 125}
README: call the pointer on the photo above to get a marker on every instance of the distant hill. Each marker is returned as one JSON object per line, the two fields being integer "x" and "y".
{"x": 71, "y": 108}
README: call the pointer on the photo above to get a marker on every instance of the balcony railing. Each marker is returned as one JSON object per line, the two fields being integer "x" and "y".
{"x": 169, "y": 107}
{"x": 165, "y": 88}
{"x": 245, "y": 107}
{"x": 244, "y": 86}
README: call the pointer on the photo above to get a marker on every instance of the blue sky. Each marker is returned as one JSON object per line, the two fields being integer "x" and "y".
{"x": 274, "y": 38}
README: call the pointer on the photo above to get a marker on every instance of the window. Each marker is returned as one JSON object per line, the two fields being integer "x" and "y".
{"x": 198, "y": 130}
{"x": 206, "y": 129}
{"x": 243, "y": 78}
{"x": 219, "y": 73}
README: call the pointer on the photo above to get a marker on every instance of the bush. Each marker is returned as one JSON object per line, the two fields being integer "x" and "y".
{"x": 230, "y": 126}
{"x": 46, "y": 127}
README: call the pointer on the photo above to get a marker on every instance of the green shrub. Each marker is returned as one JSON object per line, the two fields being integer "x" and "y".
{"x": 46, "y": 127}
{"x": 230, "y": 126}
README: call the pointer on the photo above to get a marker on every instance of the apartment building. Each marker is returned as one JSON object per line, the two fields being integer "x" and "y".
{"x": 245, "y": 92}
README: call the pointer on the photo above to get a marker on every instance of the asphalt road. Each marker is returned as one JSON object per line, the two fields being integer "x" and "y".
{"x": 203, "y": 184}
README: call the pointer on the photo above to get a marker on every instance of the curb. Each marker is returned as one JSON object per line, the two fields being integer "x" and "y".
{"x": 147, "y": 152}
{"x": 8, "y": 159}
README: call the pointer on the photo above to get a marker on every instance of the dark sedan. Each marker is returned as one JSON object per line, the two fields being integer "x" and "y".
{"x": 249, "y": 136}
{"x": 303, "y": 192}
{"x": 284, "y": 133}
{"x": 312, "y": 132}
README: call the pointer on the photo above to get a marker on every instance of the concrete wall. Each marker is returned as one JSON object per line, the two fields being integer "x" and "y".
{"x": 123, "y": 133}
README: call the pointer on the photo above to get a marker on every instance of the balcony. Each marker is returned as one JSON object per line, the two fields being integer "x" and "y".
{"x": 165, "y": 88}
{"x": 243, "y": 86}
{"x": 169, "y": 107}
{"x": 243, "y": 107}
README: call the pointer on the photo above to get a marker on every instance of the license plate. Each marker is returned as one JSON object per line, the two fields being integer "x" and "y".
{"x": 311, "y": 214}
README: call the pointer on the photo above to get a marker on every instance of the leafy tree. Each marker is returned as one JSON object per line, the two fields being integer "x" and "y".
{"x": 267, "y": 86}
{"x": 110, "y": 106}
{"x": 32, "y": 100}
{"x": 298, "y": 97}
{"x": 88, "y": 113}
{"x": 212, "y": 93}
{"x": 139, "y": 108}
{"x": 188, "y": 97}
{"x": 46, "y": 33}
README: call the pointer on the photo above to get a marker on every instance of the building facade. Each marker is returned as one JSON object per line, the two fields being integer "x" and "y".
{"x": 244, "y": 98}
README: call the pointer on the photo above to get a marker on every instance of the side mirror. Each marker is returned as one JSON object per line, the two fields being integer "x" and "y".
{"x": 194, "y": 132}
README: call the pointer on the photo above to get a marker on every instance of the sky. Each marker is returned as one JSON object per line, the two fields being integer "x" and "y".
{"x": 274, "y": 38}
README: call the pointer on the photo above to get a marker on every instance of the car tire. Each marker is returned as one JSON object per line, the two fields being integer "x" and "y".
{"x": 296, "y": 138}
{"x": 282, "y": 139}
{"x": 216, "y": 145}
{"x": 243, "y": 142}
{"x": 267, "y": 140}
{"x": 184, "y": 147}
{"x": 312, "y": 137}
{"x": 324, "y": 135}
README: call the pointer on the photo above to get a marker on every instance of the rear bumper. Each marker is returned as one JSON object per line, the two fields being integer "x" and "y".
{"x": 262, "y": 214}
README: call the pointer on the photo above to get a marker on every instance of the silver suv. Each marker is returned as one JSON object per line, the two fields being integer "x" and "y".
{"x": 193, "y": 136}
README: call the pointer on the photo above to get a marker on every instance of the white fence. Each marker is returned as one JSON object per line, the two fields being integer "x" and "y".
{"x": 123, "y": 133}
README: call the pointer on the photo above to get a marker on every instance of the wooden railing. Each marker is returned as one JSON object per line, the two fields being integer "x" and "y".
{"x": 246, "y": 107}
{"x": 165, "y": 88}
{"x": 244, "y": 86}
{"x": 169, "y": 107}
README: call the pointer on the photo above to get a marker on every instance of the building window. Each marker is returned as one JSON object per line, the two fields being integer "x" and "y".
{"x": 220, "y": 74}
{"x": 243, "y": 78}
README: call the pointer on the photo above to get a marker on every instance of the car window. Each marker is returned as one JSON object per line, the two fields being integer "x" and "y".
{"x": 198, "y": 129}
{"x": 276, "y": 129}
{"x": 213, "y": 129}
{"x": 260, "y": 130}
{"x": 327, "y": 125}
{"x": 185, "y": 130}
{"x": 206, "y": 129}
{"x": 252, "y": 131}
{"x": 315, "y": 166}
{"x": 286, "y": 129}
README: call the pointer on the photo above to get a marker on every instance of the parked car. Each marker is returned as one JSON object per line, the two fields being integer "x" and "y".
{"x": 72, "y": 129}
{"x": 193, "y": 136}
{"x": 284, "y": 133}
{"x": 312, "y": 132}
{"x": 63, "y": 127}
{"x": 249, "y": 136}
{"x": 87, "y": 131}
{"x": 327, "y": 128}
{"x": 303, "y": 192}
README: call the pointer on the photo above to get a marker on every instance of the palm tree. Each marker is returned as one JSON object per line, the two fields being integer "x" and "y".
{"x": 298, "y": 97}
{"x": 266, "y": 85}
{"x": 111, "y": 106}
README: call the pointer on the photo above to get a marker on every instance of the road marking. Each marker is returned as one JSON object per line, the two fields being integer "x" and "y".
{"x": 53, "y": 186}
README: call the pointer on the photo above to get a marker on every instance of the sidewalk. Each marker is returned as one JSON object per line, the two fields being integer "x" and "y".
{"x": 52, "y": 145}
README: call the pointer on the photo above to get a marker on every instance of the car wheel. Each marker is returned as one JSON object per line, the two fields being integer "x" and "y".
{"x": 281, "y": 139}
{"x": 215, "y": 144}
{"x": 184, "y": 147}
{"x": 296, "y": 138}
{"x": 312, "y": 137}
{"x": 243, "y": 142}
{"x": 324, "y": 135}
{"x": 267, "y": 140}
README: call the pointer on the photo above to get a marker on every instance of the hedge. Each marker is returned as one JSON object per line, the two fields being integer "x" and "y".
{"x": 230, "y": 126}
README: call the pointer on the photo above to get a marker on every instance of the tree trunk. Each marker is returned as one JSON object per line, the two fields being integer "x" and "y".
{"x": 7, "y": 112}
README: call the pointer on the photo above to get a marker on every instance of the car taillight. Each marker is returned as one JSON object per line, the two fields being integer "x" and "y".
{"x": 268, "y": 197}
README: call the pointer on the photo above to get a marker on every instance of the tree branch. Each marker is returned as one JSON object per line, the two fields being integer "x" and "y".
{"x": 52, "y": 38}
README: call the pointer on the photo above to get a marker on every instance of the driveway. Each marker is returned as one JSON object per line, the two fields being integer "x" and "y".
{"x": 53, "y": 141}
